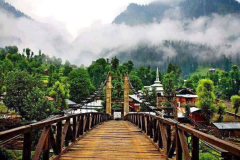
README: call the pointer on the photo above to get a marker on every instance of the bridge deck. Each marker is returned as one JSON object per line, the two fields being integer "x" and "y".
{"x": 114, "y": 140}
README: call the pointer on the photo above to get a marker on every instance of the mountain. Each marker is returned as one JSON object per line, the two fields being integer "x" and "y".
{"x": 4, "y": 6}
{"x": 154, "y": 12}
{"x": 197, "y": 8}
{"x": 142, "y": 14}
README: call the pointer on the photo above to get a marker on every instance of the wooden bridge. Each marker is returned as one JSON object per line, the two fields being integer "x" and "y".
{"x": 96, "y": 136}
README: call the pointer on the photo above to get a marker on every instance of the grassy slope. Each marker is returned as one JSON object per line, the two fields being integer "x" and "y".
{"x": 203, "y": 71}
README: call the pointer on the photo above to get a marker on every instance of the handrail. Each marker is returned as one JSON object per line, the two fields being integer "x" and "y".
{"x": 170, "y": 136}
{"x": 65, "y": 133}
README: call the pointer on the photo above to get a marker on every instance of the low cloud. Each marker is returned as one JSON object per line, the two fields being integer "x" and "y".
{"x": 221, "y": 32}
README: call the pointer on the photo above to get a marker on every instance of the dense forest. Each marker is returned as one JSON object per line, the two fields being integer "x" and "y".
{"x": 154, "y": 12}
{"x": 187, "y": 55}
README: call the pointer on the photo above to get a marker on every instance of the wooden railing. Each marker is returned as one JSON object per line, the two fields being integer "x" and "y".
{"x": 170, "y": 137}
{"x": 68, "y": 130}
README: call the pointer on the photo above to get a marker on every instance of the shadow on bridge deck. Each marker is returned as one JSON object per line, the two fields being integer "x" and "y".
{"x": 114, "y": 140}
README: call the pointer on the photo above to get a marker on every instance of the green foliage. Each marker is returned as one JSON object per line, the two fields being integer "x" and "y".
{"x": 207, "y": 156}
{"x": 206, "y": 98}
{"x": 187, "y": 109}
{"x": 80, "y": 84}
{"x": 19, "y": 84}
{"x": 221, "y": 110}
{"x": 53, "y": 78}
{"x": 114, "y": 63}
{"x": 97, "y": 71}
{"x": 236, "y": 102}
{"x": 37, "y": 106}
{"x": 136, "y": 82}
{"x": 67, "y": 70}
{"x": 6, "y": 154}
{"x": 151, "y": 97}
{"x": 60, "y": 92}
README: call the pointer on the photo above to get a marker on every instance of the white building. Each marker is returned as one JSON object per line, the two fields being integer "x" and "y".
{"x": 157, "y": 85}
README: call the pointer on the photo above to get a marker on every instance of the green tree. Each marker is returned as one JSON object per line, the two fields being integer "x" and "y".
{"x": 11, "y": 49}
{"x": 28, "y": 52}
{"x": 60, "y": 93}
{"x": 114, "y": 63}
{"x": 169, "y": 83}
{"x": 80, "y": 84}
{"x": 206, "y": 98}
{"x": 67, "y": 70}
{"x": 236, "y": 103}
{"x": 37, "y": 106}
{"x": 221, "y": 110}
{"x": 129, "y": 65}
{"x": 136, "y": 82}
{"x": 7, "y": 66}
{"x": 53, "y": 78}
{"x": 19, "y": 84}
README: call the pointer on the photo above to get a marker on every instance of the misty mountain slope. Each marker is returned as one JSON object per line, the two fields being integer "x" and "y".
{"x": 142, "y": 14}
{"x": 11, "y": 10}
{"x": 154, "y": 12}
{"x": 18, "y": 29}
{"x": 197, "y": 8}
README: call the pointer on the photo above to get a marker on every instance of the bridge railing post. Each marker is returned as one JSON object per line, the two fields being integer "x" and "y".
{"x": 27, "y": 142}
{"x": 195, "y": 148}
{"x": 178, "y": 145}
{"x": 59, "y": 136}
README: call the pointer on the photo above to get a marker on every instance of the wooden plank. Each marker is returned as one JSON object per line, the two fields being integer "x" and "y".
{"x": 108, "y": 141}
{"x": 41, "y": 142}
{"x": 184, "y": 145}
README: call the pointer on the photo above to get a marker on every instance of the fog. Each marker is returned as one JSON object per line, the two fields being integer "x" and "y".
{"x": 92, "y": 42}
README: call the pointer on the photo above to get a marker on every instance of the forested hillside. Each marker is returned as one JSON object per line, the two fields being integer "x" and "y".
{"x": 154, "y": 12}
{"x": 187, "y": 55}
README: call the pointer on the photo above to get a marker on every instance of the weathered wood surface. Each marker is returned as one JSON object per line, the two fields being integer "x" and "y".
{"x": 114, "y": 140}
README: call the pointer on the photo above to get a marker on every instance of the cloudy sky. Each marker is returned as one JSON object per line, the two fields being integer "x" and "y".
{"x": 92, "y": 32}
{"x": 74, "y": 14}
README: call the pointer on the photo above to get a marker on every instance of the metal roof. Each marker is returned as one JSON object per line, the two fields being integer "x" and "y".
{"x": 187, "y": 95}
{"x": 70, "y": 102}
{"x": 227, "y": 125}
{"x": 194, "y": 109}
{"x": 135, "y": 97}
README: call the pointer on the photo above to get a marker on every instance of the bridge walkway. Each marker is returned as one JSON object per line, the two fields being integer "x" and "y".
{"x": 114, "y": 140}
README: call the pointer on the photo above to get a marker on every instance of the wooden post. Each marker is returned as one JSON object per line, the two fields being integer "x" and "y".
{"x": 126, "y": 95}
{"x": 46, "y": 149}
{"x": 109, "y": 95}
{"x": 168, "y": 128}
{"x": 178, "y": 146}
{"x": 59, "y": 136}
{"x": 74, "y": 127}
{"x": 195, "y": 148}
{"x": 27, "y": 146}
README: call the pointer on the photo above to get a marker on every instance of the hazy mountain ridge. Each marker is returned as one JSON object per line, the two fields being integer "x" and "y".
{"x": 12, "y": 10}
{"x": 142, "y": 14}
{"x": 154, "y": 12}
